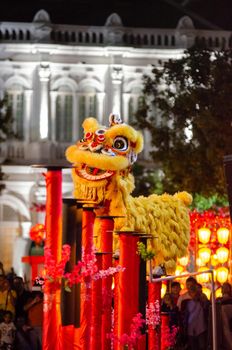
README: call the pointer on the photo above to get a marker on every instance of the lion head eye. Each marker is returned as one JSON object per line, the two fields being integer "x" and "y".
{"x": 100, "y": 132}
{"x": 120, "y": 143}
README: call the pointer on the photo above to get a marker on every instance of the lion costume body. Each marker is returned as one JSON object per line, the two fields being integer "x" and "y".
{"x": 101, "y": 173}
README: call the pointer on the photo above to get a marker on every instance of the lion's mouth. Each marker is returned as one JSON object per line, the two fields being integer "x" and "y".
{"x": 93, "y": 174}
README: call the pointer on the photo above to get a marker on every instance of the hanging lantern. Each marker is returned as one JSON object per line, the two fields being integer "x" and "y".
{"x": 222, "y": 254}
{"x": 218, "y": 293}
{"x": 222, "y": 274}
{"x": 204, "y": 234}
{"x": 204, "y": 277}
{"x": 207, "y": 292}
{"x": 204, "y": 255}
{"x": 223, "y": 235}
{"x": 163, "y": 290}
{"x": 179, "y": 270}
{"x": 183, "y": 261}
{"x": 199, "y": 262}
{"x": 214, "y": 260}
{"x": 215, "y": 275}
{"x": 37, "y": 233}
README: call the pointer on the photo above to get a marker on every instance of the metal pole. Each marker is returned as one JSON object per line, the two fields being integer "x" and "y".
{"x": 168, "y": 278}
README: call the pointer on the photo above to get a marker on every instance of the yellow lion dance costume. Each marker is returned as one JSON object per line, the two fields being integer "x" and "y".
{"x": 101, "y": 173}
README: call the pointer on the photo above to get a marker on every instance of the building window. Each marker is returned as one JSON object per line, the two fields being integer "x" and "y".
{"x": 135, "y": 102}
{"x": 15, "y": 103}
{"x": 87, "y": 108}
{"x": 64, "y": 116}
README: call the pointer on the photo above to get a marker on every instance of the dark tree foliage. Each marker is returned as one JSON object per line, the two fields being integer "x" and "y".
{"x": 192, "y": 93}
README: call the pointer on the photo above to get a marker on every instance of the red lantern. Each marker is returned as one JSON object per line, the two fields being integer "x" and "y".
{"x": 37, "y": 233}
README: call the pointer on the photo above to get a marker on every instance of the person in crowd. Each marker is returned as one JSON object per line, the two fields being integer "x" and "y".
{"x": 26, "y": 337}
{"x": 185, "y": 296}
{"x": 175, "y": 291}
{"x": 7, "y": 297}
{"x": 226, "y": 292}
{"x": 7, "y": 332}
{"x": 195, "y": 319}
{"x": 34, "y": 309}
{"x": 168, "y": 306}
{"x": 22, "y": 297}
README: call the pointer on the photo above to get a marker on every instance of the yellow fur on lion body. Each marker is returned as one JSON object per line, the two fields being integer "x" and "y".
{"x": 165, "y": 217}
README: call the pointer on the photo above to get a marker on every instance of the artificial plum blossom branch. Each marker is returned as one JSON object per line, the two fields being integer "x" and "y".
{"x": 87, "y": 267}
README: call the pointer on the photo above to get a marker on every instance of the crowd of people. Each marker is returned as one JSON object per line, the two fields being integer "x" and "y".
{"x": 21, "y": 314}
{"x": 191, "y": 313}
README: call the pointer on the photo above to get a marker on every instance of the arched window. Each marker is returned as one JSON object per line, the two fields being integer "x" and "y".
{"x": 136, "y": 102}
{"x": 87, "y": 105}
{"x": 15, "y": 102}
{"x": 64, "y": 114}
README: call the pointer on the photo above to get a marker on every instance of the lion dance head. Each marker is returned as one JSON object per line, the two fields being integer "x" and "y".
{"x": 102, "y": 160}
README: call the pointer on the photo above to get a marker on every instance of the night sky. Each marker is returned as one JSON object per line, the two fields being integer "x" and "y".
{"x": 206, "y": 14}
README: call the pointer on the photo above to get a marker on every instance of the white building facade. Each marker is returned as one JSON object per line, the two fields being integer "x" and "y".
{"x": 57, "y": 75}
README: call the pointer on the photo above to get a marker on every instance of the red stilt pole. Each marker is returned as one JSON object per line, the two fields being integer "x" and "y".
{"x": 106, "y": 245}
{"x": 128, "y": 291}
{"x": 52, "y": 318}
{"x": 116, "y": 279}
{"x": 164, "y": 330}
{"x": 96, "y": 340}
{"x": 86, "y": 304}
{"x": 154, "y": 294}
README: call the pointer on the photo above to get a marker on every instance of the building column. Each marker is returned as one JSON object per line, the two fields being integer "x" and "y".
{"x": 116, "y": 76}
{"x": 53, "y": 95}
{"x": 44, "y": 76}
{"x": 100, "y": 107}
{"x": 125, "y": 107}
{"x": 27, "y": 115}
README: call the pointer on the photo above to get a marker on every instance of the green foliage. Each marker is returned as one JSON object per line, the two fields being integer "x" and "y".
{"x": 202, "y": 203}
{"x": 146, "y": 254}
{"x": 192, "y": 93}
{"x": 147, "y": 181}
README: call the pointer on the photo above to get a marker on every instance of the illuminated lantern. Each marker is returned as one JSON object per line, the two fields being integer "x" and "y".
{"x": 37, "y": 233}
{"x": 199, "y": 262}
{"x": 222, "y": 274}
{"x": 204, "y": 235}
{"x": 223, "y": 235}
{"x": 214, "y": 275}
{"x": 183, "y": 261}
{"x": 222, "y": 254}
{"x": 179, "y": 270}
{"x": 163, "y": 290}
{"x": 214, "y": 260}
{"x": 204, "y": 277}
{"x": 207, "y": 292}
{"x": 218, "y": 293}
{"x": 204, "y": 254}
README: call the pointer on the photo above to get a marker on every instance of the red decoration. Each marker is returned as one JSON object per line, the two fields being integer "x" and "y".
{"x": 128, "y": 282}
{"x": 52, "y": 319}
{"x": 106, "y": 244}
{"x": 37, "y": 233}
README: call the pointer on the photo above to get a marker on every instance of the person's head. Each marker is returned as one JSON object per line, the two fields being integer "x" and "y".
{"x": 226, "y": 290}
{"x": 167, "y": 299}
{"x": 175, "y": 288}
{"x": 8, "y": 317}
{"x": 193, "y": 291}
{"x": 18, "y": 284}
{"x": 199, "y": 287}
{"x": 190, "y": 282}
